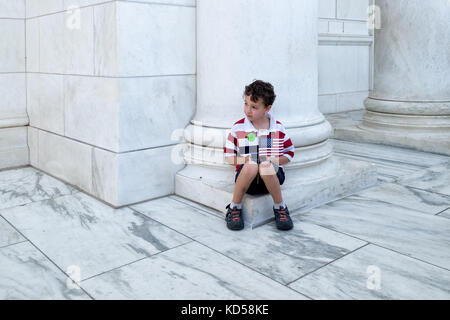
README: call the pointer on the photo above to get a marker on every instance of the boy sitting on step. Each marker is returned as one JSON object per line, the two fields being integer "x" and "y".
{"x": 259, "y": 146}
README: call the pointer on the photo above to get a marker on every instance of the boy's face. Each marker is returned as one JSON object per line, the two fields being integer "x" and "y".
{"x": 255, "y": 111}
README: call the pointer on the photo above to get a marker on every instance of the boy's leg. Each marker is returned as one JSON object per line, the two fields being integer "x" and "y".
{"x": 282, "y": 218}
{"x": 245, "y": 178}
{"x": 268, "y": 174}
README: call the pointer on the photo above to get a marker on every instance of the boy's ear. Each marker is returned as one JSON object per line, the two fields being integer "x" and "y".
{"x": 268, "y": 108}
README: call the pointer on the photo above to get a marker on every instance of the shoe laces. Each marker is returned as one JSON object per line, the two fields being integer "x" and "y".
{"x": 235, "y": 214}
{"x": 283, "y": 214}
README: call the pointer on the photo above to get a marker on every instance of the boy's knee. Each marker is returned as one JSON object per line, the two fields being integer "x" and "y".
{"x": 250, "y": 169}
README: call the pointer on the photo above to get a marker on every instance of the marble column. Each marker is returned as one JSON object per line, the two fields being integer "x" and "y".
{"x": 409, "y": 105}
{"x": 13, "y": 113}
{"x": 238, "y": 42}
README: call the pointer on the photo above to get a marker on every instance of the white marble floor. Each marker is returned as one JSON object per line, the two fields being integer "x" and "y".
{"x": 388, "y": 242}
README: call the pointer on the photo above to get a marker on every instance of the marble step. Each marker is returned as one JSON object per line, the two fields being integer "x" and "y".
{"x": 304, "y": 189}
{"x": 389, "y": 153}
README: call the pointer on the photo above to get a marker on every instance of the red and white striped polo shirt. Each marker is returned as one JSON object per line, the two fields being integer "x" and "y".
{"x": 244, "y": 140}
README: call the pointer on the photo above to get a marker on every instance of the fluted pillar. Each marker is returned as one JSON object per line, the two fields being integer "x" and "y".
{"x": 410, "y": 103}
{"x": 238, "y": 42}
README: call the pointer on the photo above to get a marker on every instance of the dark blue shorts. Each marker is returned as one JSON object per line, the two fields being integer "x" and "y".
{"x": 258, "y": 186}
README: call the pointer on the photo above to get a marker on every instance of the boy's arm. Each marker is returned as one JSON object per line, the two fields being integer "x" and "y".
{"x": 231, "y": 150}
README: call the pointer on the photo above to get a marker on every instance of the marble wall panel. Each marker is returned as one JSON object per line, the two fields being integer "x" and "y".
{"x": 131, "y": 177}
{"x": 352, "y": 9}
{"x": 13, "y": 100}
{"x": 327, "y": 8}
{"x": 45, "y": 101}
{"x": 12, "y": 45}
{"x": 343, "y": 69}
{"x": 91, "y": 114}
{"x": 12, "y": 9}
{"x": 161, "y": 40}
{"x": 32, "y": 45}
{"x": 105, "y": 40}
{"x": 13, "y": 147}
{"x": 66, "y": 159}
{"x": 152, "y": 109}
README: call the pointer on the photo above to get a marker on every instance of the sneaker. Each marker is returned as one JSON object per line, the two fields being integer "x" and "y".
{"x": 282, "y": 218}
{"x": 234, "y": 218}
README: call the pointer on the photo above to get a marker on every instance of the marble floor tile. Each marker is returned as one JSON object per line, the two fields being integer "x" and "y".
{"x": 198, "y": 206}
{"x": 382, "y": 178}
{"x": 25, "y": 185}
{"x": 376, "y": 273}
{"x": 80, "y": 231}
{"x": 8, "y": 235}
{"x": 445, "y": 214}
{"x": 384, "y": 167}
{"x": 183, "y": 218}
{"x": 26, "y": 274}
{"x": 408, "y": 197}
{"x": 282, "y": 256}
{"x": 435, "y": 179}
{"x": 191, "y": 271}
{"x": 426, "y": 237}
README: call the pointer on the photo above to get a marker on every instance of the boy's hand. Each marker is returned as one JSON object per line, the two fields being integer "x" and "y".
{"x": 248, "y": 159}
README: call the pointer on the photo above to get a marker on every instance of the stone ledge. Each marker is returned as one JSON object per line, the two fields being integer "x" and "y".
{"x": 438, "y": 142}
{"x": 303, "y": 189}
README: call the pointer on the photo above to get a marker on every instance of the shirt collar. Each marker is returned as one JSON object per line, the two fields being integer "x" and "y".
{"x": 249, "y": 127}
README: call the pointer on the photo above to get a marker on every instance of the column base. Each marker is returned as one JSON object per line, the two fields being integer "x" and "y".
{"x": 303, "y": 189}
{"x": 413, "y": 132}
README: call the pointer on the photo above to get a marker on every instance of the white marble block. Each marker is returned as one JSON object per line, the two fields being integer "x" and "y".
{"x": 126, "y": 114}
{"x": 118, "y": 179}
{"x": 12, "y": 9}
{"x": 65, "y": 159}
{"x": 12, "y": 45}
{"x": 45, "y": 101}
{"x": 13, "y": 100}
{"x": 125, "y": 178}
{"x": 13, "y": 147}
{"x": 144, "y": 39}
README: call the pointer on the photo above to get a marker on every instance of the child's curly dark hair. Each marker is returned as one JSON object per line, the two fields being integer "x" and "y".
{"x": 260, "y": 89}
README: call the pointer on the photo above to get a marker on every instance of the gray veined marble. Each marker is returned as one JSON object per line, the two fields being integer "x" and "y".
{"x": 8, "y": 235}
{"x": 376, "y": 273}
{"x": 385, "y": 169}
{"x": 285, "y": 256}
{"x": 25, "y": 185}
{"x": 26, "y": 274}
{"x": 191, "y": 271}
{"x": 445, "y": 214}
{"x": 426, "y": 237}
{"x": 435, "y": 179}
{"x": 408, "y": 197}
{"x": 282, "y": 256}
{"x": 79, "y": 230}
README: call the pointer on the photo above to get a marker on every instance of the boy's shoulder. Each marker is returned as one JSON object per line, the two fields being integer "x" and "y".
{"x": 238, "y": 124}
{"x": 241, "y": 121}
